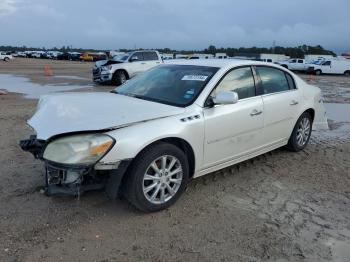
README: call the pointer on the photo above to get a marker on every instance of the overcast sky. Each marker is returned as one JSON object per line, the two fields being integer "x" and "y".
{"x": 178, "y": 24}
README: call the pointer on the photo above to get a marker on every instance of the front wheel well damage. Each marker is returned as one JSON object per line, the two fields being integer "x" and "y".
{"x": 181, "y": 144}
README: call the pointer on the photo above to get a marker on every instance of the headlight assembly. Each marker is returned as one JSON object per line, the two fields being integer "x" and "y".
{"x": 81, "y": 149}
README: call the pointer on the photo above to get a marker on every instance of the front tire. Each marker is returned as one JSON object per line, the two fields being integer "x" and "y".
{"x": 301, "y": 133}
{"x": 119, "y": 78}
{"x": 318, "y": 72}
{"x": 6, "y": 59}
{"x": 157, "y": 177}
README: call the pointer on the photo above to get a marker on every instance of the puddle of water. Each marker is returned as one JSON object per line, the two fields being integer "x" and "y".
{"x": 23, "y": 85}
{"x": 338, "y": 112}
{"x": 72, "y": 77}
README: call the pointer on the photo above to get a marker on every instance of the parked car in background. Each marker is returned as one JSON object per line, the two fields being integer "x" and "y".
{"x": 126, "y": 67}
{"x": 91, "y": 57}
{"x": 73, "y": 56}
{"x": 38, "y": 54}
{"x": 20, "y": 54}
{"x": 175, "y": 122}
{"x": 53, "y": 54}
{"x": 5, "y": 57}
{"x": 340, "y": 67}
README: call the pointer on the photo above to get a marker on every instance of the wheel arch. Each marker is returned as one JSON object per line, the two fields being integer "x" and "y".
{"x": 181, "y": 144}
{"x": 311, "y": 111}
{"x": 123, "y": 70}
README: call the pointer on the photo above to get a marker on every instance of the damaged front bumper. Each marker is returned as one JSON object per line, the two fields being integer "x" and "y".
{"x": 74, "y": 180}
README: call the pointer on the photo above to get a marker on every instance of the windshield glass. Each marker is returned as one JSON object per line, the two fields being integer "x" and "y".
{"x": 177, "y": 85}
{"x": 121, "y": 57}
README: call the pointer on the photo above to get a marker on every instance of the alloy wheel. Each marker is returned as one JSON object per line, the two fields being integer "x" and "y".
{"x": 162, "y": 179}
{"x": 303, "y": 131}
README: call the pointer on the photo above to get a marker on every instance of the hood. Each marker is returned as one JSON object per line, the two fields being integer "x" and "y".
{"x": 74, "y": 112}
{"x": 107, "y": 62}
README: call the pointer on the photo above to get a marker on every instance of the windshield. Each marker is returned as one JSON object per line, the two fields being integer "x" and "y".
{"x": 177, "y": 85}
{"x": 121, "y": 57}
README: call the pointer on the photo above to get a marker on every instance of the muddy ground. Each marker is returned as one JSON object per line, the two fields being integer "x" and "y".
{"x": 281, "y": 206}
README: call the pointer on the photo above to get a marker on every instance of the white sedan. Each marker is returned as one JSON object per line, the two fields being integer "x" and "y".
{"x": 150, "y": 136}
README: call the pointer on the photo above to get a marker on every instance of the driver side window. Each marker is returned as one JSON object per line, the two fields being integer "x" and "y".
{"x": 239, "y": 80}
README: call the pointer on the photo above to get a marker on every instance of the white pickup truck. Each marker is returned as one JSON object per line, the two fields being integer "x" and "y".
{"x": 295, "y": 64}
{"x": 5, "y": 57}
{"x": 119, "y": 70}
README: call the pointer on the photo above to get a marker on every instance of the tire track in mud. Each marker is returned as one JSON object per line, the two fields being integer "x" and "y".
{"x": 293, "y": 194}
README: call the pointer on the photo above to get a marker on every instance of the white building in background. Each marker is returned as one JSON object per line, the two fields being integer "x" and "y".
{"x": 318, "y": 57}
{"x": 221, "y": 56}
{"x": 272, "y": 58}
{"x": 181, "y": 56}
{"x": 201, "y": 56}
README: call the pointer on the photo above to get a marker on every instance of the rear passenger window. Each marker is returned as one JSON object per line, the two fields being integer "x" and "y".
{"x": 300, "y": 61}
{"x": 273, "y": 80}
{"x": 138, "y": 55}
{"x": 291, "y": 82}
{"x": 239, "y": 80}
{"x": 148, "y": 56}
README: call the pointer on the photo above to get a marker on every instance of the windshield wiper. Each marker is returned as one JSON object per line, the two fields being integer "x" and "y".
{"x": 128, "y": 94}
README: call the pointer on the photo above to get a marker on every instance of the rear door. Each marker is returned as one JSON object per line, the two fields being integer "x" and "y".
{"x": 137, "y": 65}
{"x": 150, "y": 59}
{"x": 300, "y": 64}
{"x": 281, "y": 101}
{"x": 234, "y": 130}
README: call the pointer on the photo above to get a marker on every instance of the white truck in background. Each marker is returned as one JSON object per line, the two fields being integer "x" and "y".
{"x": 339, "y": 67}
{"x": 5, "y": 57}
{"x": 295, "y": 64}
{"x": 117, "y": 72}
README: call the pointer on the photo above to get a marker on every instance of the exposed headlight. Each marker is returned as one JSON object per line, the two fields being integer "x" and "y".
{"x": 78, "y": 149}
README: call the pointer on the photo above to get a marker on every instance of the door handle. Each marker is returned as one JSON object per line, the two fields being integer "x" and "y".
{"x": 255, "y": 112}
{"x": 293, "y": 103}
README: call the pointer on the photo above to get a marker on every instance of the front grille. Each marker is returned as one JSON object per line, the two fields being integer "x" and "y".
{"x": 58, "y": 175}
{"x": 96, "y": 71}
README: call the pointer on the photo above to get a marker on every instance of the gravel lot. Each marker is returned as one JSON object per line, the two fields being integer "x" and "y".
{"x": 281, "y": 206}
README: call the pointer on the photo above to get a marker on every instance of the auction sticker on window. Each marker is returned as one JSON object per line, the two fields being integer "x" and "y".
{"x": 194, "y": 78}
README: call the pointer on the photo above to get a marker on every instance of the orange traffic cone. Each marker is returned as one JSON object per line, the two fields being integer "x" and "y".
{"x": 48, "y": 70}
{"x": 312, "y": 77}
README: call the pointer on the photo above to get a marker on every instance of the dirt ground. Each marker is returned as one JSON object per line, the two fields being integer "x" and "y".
{"x": 281, "y": 206}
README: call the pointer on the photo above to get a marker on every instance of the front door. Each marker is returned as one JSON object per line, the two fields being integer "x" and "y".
{"x": 233, "y": 130}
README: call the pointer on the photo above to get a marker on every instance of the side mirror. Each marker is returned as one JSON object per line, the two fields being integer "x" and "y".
{"x": 225, "y": 98}
{"x": 134, "y": 58}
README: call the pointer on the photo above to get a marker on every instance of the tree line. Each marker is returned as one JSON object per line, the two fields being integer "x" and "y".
{"x": 294, "y": 52}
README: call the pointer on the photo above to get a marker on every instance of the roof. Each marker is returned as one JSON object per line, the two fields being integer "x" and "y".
{"x": 220, "y": 63}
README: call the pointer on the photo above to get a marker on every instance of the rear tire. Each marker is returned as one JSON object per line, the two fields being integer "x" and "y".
{"x": 6, "y": 59}
{"x": 119, "y": 78}
{"x": 156, "y": 178}
{"x": 301, "y": 133}
{"x": 318, "y": 72}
